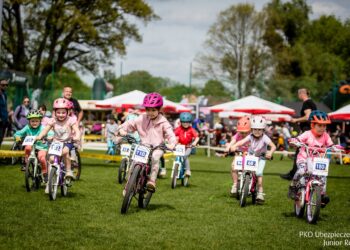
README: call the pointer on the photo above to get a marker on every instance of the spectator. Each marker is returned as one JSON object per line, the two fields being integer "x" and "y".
{"x": 3, "y": 108}
{"x": 45, "y": 113}
{"x": 67, "y": 94}
{"x": 199, "y": 122}
{"x": 286, "y": 135}
{"x": 308, "y": 106}
{"x": 21, "y": 112}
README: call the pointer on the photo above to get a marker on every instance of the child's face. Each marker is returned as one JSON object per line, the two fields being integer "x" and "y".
{"x": 257, "y": 132}
{"x": 320, "y": 129}
{"x": 244, "y": 134}
{"x": 152, "y": 113}
{"x": 61, "y": 114}
{"x": 42, "y": 111}
{"x": 185, "y": 124}
{"x": 34, "y": 122}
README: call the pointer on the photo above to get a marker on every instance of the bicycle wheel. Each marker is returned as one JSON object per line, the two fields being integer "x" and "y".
{"x": 314, "y": 205}
{"x": 299, "y": 203}
{"x": 29, "y": 176}
{"x": 238, "y": 188}
{"x": 15, "y": 147}
{"x": 244, "y": 193}
{"x": 122, "y": 170}
{"x": 77, "y": 166}
{"x": 53, "y": 183}
{"x": 64, "y": 189}
{"x": 144, "y": 199}
{"x": 174, "y": 178}
{"x": 131, "y": 188}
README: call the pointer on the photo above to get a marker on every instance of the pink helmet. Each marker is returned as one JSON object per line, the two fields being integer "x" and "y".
{"x": 243, "y": 124}
{"x": 61, "y": 103}
{"x": 153, "y": 100}
{"x": 70, "y": 105}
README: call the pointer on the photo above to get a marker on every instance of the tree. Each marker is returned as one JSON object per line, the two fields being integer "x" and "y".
{"x": 140, "y": 80}
{"x": 79, "y": 34}
{"x": 235, "y": 52}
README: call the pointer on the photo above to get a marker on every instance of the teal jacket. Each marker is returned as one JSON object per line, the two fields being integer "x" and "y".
{"x": 33, "y": 132}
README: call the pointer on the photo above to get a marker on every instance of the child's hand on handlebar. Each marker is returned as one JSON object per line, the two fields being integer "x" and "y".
{"x": 18, "y": 139}
{"x": 268, "y": 155}
{"x": 122, "y": 132}
{"x": 170, "y": 146}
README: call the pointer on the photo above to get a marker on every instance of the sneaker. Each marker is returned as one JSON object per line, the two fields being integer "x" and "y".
{"x": 23, "y": 168}
{"x": 151, "y": 186}
{"x": 69, "y": 174}
{"x": 188, "y": 173}
{"x": 162, "y": 172}
{"x": 124, "y": 192}
{"x": 47, "y": 189}
{"x": 260, "y": 197}
{"x": 286, "y": 176}
{"x": 324, "y": 200}
{"x": 292, "y": 192}
{"x": 45, "y": 177}
{"x": 233, "y": 190}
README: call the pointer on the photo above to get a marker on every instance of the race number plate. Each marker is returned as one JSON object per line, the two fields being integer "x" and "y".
{"x": 238, "y": 165}
{"x": 29, "y": 140}
{"x": 125, "y": 149}
{"x": 141, "y": 154}
{"x": 180, "y": 150}
{"x": 56, "y": 148}
{"x": 320, "y": 166}
{"x": 251, "y": 163}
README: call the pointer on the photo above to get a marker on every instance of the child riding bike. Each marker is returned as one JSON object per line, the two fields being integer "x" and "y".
{"x": 188, "y": 136}
{"x": 316, "y": 137}
{"x": 243, "y": 129}
{"x": 153, "y": 129}
{"x": 63, "y": 126}
{"x": 33, "y": 128}
{"x": 258, "y": 146}
{"x": 110, "y": 131}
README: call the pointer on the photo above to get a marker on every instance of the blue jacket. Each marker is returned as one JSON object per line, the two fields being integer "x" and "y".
{"x": 3, "y": 107}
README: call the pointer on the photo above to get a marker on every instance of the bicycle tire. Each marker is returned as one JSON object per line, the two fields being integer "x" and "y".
{"x": 53, "y": 183}
{"x": 64, "y": 189}
{"x": 144, "y": 199}
{"x": 29, "y": 176}
{"x": 175, "y": 173}
{"x": 245, "y": 191}
{"x": 122, "y": 171}
{"x": 131, "y": 187}
{"x": 77, "y": 166}
{"x": 299, "y": 203}
{"x": 312, "y": 216}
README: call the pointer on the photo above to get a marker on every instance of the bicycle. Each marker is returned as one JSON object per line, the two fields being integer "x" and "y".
{"x": 33, "y": 174}
{"x": 140, "y": 169}
{"x": 179, "y": 168}
{"x": 246, "y": 165}
{"x": 126, "y": 150}
{"x": 16, "y": 146}
{"x": 310, "y": 185}
{"x": 57, "y": 172}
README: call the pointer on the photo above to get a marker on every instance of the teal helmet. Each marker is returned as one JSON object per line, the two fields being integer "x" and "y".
{"x": 185, "y": 117}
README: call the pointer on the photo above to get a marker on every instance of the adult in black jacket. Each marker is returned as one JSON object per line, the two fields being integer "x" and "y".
{"x": 304, "y": 124}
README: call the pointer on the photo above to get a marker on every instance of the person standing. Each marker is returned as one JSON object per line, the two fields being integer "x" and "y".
{"x": 21, "y": 112}
{"x": 3, "y": 108}
{"x": 306, "y": 109}
{"x": 67, "y": 94}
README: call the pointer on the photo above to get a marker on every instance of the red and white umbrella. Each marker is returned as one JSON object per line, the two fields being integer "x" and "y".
{"x": 133, "y": 99}
{"x": 253, "y": 105}
{"x": 341, "y": 114}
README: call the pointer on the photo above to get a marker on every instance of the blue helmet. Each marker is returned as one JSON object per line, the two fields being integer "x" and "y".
{"x": 320, "y": 117}
{"x": 185, "y": 117}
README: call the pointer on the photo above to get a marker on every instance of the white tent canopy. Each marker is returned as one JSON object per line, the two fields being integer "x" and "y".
{"x": 253, "y": 105}
{"x": 270, "y": 117}
{"x": 341, "y": 114}
{"x": 133, "y": 99}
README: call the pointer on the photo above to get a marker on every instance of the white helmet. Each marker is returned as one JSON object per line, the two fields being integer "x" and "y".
{"x": 258, "y": 122}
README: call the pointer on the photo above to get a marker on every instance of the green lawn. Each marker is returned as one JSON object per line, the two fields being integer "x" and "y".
{"x": 202, "y": 216}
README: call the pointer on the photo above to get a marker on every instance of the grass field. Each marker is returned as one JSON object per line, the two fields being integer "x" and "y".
{"x": 202, "y": 216}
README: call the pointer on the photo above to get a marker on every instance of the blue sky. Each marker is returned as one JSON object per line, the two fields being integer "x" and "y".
{"x": 171, "y": 44}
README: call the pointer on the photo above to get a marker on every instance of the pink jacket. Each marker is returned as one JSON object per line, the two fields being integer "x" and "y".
{"x": 152, "y": 132}
{"x": 309, "y": 139}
